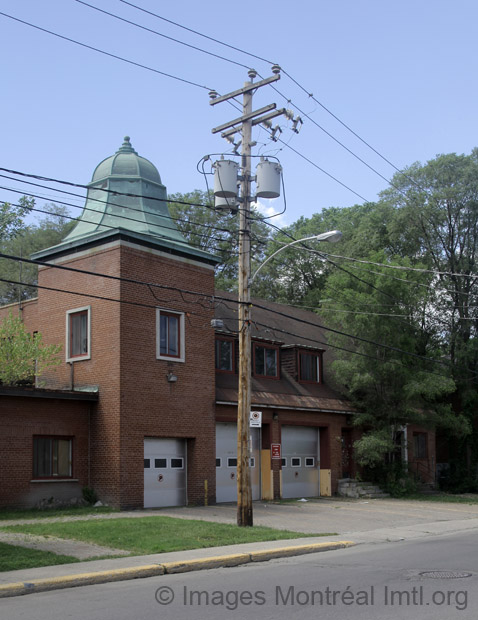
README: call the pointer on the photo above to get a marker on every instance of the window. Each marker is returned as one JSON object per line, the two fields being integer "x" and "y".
{"x": 160, "y": 463}
{"x": 147, "y": 463}
{"x": 265, "y": 361}
{"x": 283, "y": 462}
{"x": 170, "y": 335}
{"x": 252, "y": 462}
{"x": 177, "y": 463}
{"x": 309, "y": 367}
{"x": 224, "y": 355}
{"x": 231, "y": 462}
{"x": 295, "y": 461}
{"x": 78, "y": 333}
{"x": 218, "y": 463}
{"x": 420, "y": 445}
{"x": 309, "y": 461}
{"x": 51, "y": 457}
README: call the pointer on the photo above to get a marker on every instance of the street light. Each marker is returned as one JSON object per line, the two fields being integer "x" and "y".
{"x": 244, "y": 490}
{"x": 332, "y": 236}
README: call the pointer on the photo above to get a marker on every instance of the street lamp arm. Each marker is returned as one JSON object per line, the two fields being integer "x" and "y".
{"x": 332, "y": 236}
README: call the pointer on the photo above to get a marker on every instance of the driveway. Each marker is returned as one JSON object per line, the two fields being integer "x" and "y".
{"x": 388, "y": 517}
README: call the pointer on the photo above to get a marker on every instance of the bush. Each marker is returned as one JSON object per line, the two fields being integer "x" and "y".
{"x": 89, "y": 495}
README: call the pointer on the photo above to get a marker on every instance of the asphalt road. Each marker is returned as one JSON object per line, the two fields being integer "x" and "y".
{"x": 371, "y": 581}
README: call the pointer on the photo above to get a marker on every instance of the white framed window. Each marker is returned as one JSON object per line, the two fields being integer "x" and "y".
{"x": 78, "y": 334}
{"x": 160, "y": 463}
{"x": 170, "y": 335}
{"x": 295, "y": 461}
{"x": 283, "y": 462}
{"x": 309, "y": 461}
{"x": 232, "y": 462}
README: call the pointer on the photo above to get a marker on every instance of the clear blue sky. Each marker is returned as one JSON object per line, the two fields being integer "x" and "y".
{"x": 401, "y": 74}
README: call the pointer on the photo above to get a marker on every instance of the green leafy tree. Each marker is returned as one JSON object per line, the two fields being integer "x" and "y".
{"x": 49, "y": 230}
{"x": 12, "y": 217}
{"x": 395, "y": 384}
{"x": 22, "y": 355}
{"x": 217, "y": 233}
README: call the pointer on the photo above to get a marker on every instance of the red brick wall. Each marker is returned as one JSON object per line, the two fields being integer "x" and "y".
{"x": 28, "y": 310}
{"x": 20, "y": 419}
{"x": 150, "y": 405}
{"x": 136, "y": 400}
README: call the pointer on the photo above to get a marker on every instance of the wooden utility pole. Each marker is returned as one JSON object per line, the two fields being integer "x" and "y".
{"x": 244, "y": 125}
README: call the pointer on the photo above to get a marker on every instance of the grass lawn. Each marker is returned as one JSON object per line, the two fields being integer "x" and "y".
{"x": 144, "y": 535}
{"x": 16, "y": 558}
{"x": 34, "y": 513}
{"x": 443, "y": 497}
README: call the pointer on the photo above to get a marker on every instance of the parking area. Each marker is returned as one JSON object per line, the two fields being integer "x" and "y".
{"x": 340, "y": 515}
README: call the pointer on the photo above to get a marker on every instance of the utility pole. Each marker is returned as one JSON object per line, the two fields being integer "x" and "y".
{"x": 244, "y": 125}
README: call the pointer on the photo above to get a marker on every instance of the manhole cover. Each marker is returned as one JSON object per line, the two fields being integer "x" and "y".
{"x": 444, "y": 574}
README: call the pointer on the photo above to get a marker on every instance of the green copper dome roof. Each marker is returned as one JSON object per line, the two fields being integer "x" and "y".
{"x": 126, "y": 197}
{"x": 126, "y": 162}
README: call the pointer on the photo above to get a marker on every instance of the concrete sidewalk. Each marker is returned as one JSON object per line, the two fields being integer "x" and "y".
{"x": 354, "y": 521}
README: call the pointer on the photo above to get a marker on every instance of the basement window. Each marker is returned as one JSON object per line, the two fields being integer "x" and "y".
{"x": 52, "y": 457}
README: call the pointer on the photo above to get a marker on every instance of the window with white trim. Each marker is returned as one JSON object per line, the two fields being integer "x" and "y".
{"x": 52, "y": 457}
{"x": 78, "y": 334}
{"x": 169, "y": 335}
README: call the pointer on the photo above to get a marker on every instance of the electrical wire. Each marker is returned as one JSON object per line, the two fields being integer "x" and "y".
{"x": 105, "y": 53}
{"x": 160, "y": 34}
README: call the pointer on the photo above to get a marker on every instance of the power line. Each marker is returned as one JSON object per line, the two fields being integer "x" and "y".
{"x": 105, "y": 53}
{"x": 160, "y": 34}
{"x": 121, "y": 217}
{"x": 212, "y": 297}
{"x": 205, "y": 36}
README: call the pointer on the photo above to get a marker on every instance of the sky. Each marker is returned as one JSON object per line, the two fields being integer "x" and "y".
{"x": 401, "y": 75}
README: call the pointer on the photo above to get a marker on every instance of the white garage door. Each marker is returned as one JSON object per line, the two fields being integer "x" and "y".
{"x": 164, "y": 472}
{"x": 226, "y": 463}
{"x": 300, "y": 461}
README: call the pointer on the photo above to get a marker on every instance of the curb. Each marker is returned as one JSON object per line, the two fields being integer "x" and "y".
{"x": 167, "y": 568}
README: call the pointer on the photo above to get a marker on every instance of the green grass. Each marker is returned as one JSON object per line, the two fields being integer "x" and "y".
{"x": 34, "y": 513}
{"x": 16, "y": 558}
{"x": 442, "y": 497}
{"x": 144, "y": 535}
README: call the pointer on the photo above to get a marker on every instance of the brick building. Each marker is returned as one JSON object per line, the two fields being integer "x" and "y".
{"x": 143, "y": 406}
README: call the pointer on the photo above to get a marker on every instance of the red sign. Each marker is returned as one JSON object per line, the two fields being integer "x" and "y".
{"x": 275, "y": 451}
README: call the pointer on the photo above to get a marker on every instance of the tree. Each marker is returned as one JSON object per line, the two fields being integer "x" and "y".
{"x": 12, "y": 217}
{"x": 217, "y": 232}
{"x": 384, "y": 369}
{"x": 23, "y": 356}
{"x": 26, "y": 240}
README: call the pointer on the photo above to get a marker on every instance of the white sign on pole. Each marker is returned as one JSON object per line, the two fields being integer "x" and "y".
{"x": 255, "y": 419}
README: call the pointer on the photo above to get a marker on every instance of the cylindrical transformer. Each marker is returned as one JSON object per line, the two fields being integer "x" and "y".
{"x": 225, "y": 204}
{"x": 268, "y": 179}
{"x": 225, "y": 178}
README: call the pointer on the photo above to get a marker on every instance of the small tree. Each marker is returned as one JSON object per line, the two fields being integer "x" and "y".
{"x": 23, "y": 356}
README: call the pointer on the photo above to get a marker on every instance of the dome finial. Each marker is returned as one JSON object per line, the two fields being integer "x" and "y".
{"x": 126, "y": 146}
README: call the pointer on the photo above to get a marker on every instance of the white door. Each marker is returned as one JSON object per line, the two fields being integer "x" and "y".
{"x": 300, "y": 461}
{"x": 226, "y": 462}
{"x": 164, "y": 472}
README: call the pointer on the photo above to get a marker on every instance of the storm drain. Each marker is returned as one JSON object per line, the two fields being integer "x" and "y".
{"x": 444, "y": 574}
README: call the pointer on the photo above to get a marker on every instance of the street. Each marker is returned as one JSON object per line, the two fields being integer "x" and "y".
{"x": 370, "y": 581}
